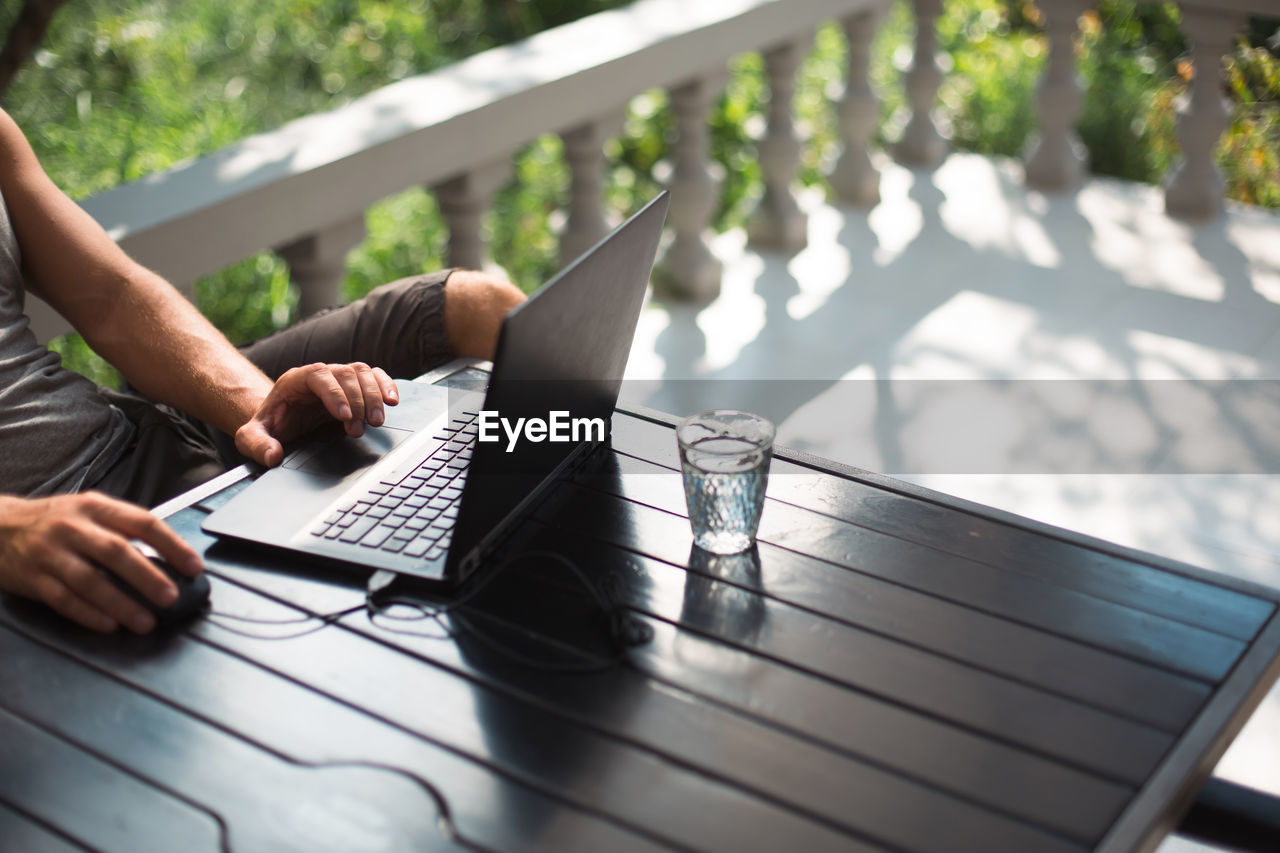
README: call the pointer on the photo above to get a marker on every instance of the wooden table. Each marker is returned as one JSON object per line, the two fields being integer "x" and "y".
{"x": 890, "y": 669}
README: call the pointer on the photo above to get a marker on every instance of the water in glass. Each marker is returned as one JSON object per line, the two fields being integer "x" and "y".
{"x": 725, "y": 465}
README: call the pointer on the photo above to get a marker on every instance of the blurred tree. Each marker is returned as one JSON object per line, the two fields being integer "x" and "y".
{"x": 24, "y": 37}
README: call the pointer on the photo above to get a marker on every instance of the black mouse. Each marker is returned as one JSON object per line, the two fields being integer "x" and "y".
{"x": 193, "y": 596}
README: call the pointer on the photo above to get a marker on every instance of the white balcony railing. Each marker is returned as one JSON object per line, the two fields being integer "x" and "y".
{"x": 303, "y": 190}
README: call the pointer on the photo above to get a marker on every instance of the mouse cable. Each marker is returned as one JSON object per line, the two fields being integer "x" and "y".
{"x": 325, "y": 620}
{"x": 625, "y": 630}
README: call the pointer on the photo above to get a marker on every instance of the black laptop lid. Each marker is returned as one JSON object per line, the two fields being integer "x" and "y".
{"x": 564, "y": 350}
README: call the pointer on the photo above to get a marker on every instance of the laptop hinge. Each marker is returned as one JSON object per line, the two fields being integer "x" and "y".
{"x": 567, "y": 470}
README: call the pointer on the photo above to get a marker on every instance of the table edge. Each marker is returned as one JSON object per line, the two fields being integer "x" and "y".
{"x": 1177, "y": 781}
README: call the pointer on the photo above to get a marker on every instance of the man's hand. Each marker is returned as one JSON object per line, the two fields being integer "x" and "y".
{"x": 48, "y": 548}
{"x": 305, "y": 397}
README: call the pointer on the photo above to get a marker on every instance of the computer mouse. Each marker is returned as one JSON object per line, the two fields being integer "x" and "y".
{"x": 193, "y": 596}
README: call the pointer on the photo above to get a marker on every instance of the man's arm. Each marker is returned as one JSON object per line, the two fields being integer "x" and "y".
{"x": 167, "y": 350}
{"x": 157, "y": 339}
{"x": 161, "y": 344}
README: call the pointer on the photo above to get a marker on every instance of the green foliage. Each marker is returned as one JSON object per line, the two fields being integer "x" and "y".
{"x": 407, "y": 236}
{"x": 735, "y": 125}
{"x": 125, "y": 88}
{"x": 250, "y": 299}
{"x": 522, "y": 234}
{"x": 1127, "y": 117}
{"x": 989, "y": 95}
{"x": 819, "y": 84}
{"x": 77, "y": 355}
{"x": 1250, "y": 153}
{"x": 635, "y": 154}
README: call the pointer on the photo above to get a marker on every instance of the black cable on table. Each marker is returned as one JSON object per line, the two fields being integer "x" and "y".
{"x": 625, "y": 630}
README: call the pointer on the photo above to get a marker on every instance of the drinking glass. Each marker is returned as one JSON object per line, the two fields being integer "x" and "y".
{"x": 724, "y": 460}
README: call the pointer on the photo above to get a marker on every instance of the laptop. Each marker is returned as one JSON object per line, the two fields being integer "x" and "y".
{"x": 433, "y": 490}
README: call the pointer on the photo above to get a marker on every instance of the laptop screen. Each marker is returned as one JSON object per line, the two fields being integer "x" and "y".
{"x": 557, "y": 373}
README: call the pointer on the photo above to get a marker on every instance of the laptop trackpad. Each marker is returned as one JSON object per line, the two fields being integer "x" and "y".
{"x": 344, "y": 455}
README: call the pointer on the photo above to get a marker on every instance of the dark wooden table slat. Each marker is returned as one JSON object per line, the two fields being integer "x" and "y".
{"x": 1109, "y": 682}
{"x": 810, "y": 707}
{"x": 808, "y": 778}
{"x": 88, "y": 799}
{"x": 998, "y": 776}
{"x": 642, "y": 788}
{"x": 1094, "y": 797}
{"x": 622, "y": 722}
{"x": 1117, "y": 748}
{"x": 20, "y": 832}
{"x": 1158, "y": 808}
{"x": 309, "y": 728}
{"x": 406, "y": 674}
{"x": 1087, "y": 570}
{"x": 265, "y": 803}
{"x": 999, "y": 709}
{"x": 1168, "y": 643}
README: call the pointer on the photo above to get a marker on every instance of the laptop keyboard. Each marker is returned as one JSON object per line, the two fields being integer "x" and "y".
{"x": 412, "y": 510}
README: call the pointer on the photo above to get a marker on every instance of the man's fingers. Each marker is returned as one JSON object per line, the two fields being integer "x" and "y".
{"x": 76, "y": 554}
{"x": 390, "y": 393}
{"x": 89, "y": 585}
{"x": 137, "y": 523}
{"x": 54, "y": 593}
{"x": 348, "y": 376}
{"x": 325, "y": 384}
{"x": 253, "y": 440}
{"x": 114, "y": 553}
{"x": 354, "y": 394}
{"x": 371, "y": 392}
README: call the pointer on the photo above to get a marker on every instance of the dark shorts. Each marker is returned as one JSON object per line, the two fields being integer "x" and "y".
{"x": 398, "y": 327}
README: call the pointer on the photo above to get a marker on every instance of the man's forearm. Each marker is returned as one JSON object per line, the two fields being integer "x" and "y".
{"x": 169, "y": 351}
{"x": 154, "y": 336}
{"x": 130, "y": 316}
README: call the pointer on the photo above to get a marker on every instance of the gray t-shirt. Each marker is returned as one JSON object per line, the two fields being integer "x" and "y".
{"x": 57, "y": 433}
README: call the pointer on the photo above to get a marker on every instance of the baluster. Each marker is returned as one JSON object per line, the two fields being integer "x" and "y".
{"x": 1056, "y": 159}
{"x": 688, "y": 269}
{"x": 854, "y": 179}
{"x": 921, "y": 144}
{"x": 463, "y": 202}
{"x": 584, "y": 151}
{"x": 1196, "y": 187}
{"x": 318, "y": 264}
{"x": 778, "y": 222}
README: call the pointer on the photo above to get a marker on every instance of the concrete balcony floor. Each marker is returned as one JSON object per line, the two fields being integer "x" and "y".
{"x": 962, "y": 274}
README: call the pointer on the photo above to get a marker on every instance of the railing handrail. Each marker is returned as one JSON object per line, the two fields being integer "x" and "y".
{"x": 273, "y": 188}
{"x": 428, "y": 128}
